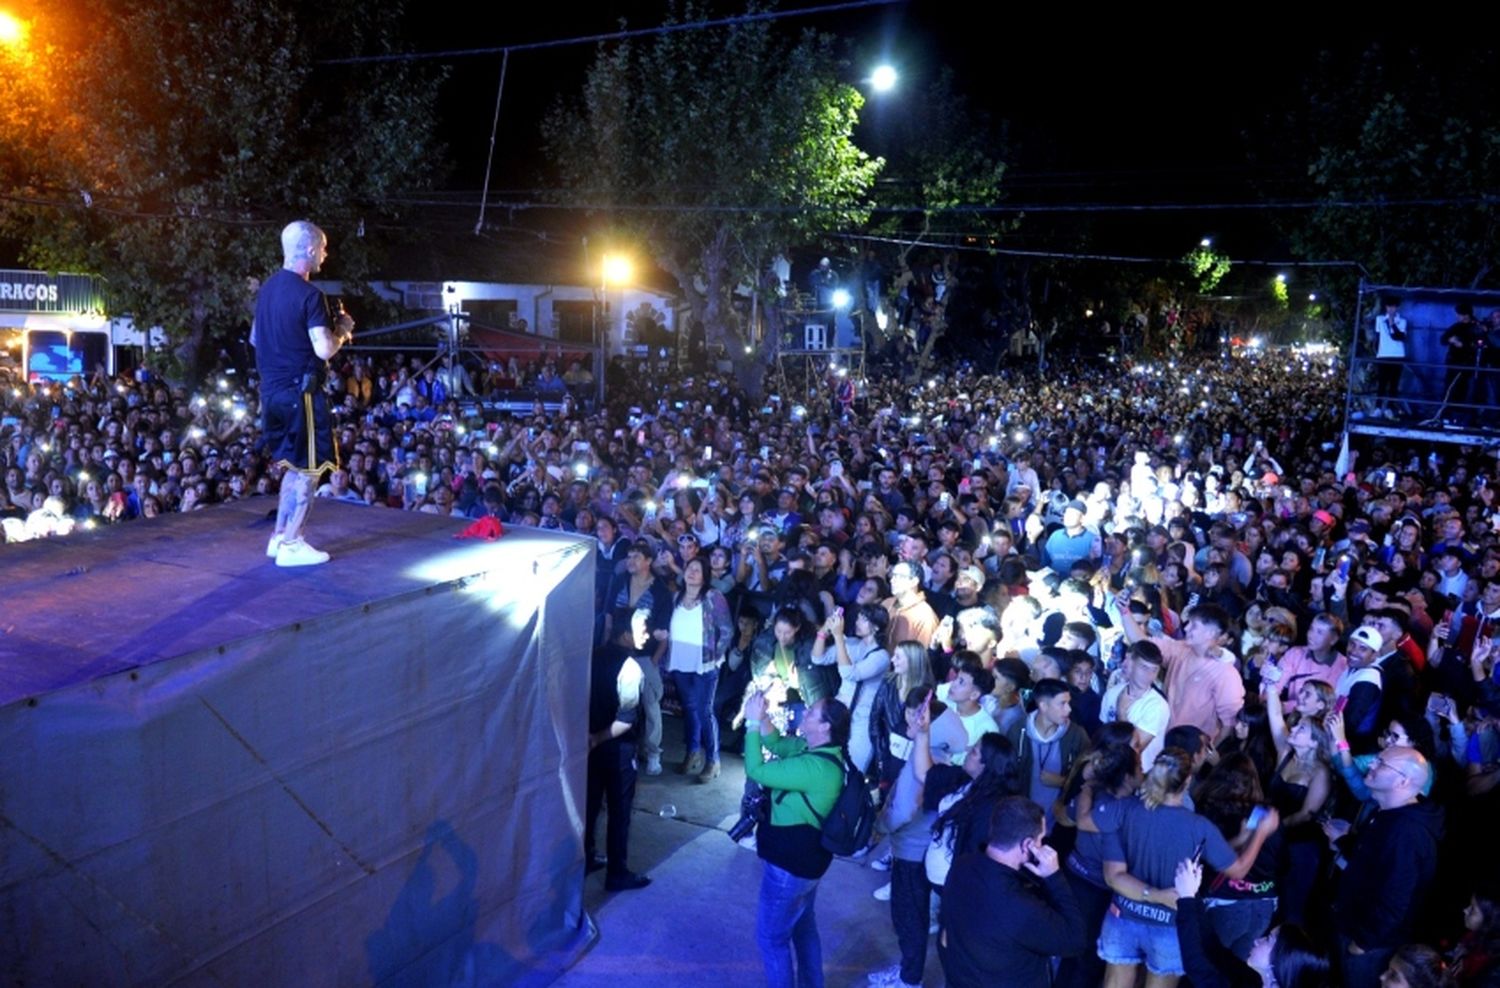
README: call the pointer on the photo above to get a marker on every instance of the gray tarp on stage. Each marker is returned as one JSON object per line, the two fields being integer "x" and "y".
{"x": 387, "y": 792}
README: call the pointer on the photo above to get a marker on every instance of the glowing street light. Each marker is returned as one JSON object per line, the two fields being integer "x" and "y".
{"x": 883, "y": 79}
{"x": 12, "y": 30}
{"x": 841, "y": 298}
{"x": 1206, "y": 242}
{"x": 617, "y": 269}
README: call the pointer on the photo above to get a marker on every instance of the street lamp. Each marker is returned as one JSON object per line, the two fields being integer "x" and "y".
{"x": 617, "y": 270}
{"x": 614, "y": 269}
{"x": 883, "y": 79}
{"x": 12, "y": 30}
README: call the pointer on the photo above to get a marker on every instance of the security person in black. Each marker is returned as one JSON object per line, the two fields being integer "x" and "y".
{"x": 293, "y": 343}
{"x": 614, "y": 713}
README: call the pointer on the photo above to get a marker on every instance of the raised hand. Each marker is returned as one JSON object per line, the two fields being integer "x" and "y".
{"x": 1188, "y": 878}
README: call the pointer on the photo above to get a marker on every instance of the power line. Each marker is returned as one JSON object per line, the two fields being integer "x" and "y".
{"x": 1073, "y": 256}
{"x": 997, "y": 208}
{"x": 211, "y": 214}
{"x": 609, "y": 36}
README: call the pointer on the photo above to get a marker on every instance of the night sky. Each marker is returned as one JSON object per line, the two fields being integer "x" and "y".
{"x": 1124, "y": 113}
{"x": 1097, "y": 110}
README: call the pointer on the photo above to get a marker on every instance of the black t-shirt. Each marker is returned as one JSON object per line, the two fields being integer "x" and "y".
{"x": 1462, "y": 340}
{"x": 286, "y": 310}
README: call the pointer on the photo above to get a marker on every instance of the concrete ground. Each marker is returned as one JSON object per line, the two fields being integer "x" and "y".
{"x": 695, "y": 923}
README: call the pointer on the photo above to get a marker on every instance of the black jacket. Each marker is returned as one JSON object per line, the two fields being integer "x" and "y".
{"x": 1391, "y": 869}
{"x": 1041, "y": 920}
{"x": 1207, "y": 961}
{"x": 887, "y": 716}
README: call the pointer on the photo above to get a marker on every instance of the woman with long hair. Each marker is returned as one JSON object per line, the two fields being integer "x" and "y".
{"x": 1315, "y": 698}
{"x": 1100, "y": 778}
{"x": 1152, "y": 832}
{"x": 777, "y": 658}
{"x": 963, "y": 819}
{"x": 1475, "y": 961}
{"x": 699, "y": 635}
{"x": 889, "y": 738}
{"x": 1251, "y": 736}
{"x": 862, "y": 665}
{"x": 1238, "y": 910}
{"x": 1299, "y": 789}
{"x": 1416, "y": 966}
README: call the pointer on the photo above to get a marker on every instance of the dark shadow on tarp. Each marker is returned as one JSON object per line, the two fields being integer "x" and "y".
{"x": 428, "y": 937}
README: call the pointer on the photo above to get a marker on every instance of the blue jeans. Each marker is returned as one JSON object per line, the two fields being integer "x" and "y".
{"x": 700, "y": 726}
{"x": 785, "y": 924}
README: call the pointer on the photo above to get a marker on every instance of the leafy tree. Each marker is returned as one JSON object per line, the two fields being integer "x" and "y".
{"x": 945, "y": 166}
{"x": 715, "y": 150}
{"x": 161, "y": 144}
{"x": 1389, "y": 126}
{"x": 1207, "y": 265}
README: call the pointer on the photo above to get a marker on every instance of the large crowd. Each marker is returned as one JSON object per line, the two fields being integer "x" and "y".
{"x": 1133, "y": 650}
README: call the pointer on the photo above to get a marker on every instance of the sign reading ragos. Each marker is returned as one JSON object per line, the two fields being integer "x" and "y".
{"x": 37, "y": 291}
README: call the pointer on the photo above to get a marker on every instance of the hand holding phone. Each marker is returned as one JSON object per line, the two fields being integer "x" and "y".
{"x": 1441, "y": 706}
{"x": 1188, "y": 878}
{"x": 1334, "y": 829}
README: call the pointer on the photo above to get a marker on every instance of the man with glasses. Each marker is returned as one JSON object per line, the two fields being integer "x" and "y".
{"x": 1391, "y": 866}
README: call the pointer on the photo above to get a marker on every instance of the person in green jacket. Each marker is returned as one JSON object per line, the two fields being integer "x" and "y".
{"x": 803, "y": 782}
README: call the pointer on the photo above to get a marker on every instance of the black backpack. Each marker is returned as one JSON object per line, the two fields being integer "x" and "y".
{"x": 848, "y": 826}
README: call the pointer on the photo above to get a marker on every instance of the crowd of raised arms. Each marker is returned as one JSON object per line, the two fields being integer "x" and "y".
{"x": 1245, "y": 682}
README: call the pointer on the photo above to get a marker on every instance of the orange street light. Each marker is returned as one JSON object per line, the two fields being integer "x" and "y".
{"x": 13, "y": 30}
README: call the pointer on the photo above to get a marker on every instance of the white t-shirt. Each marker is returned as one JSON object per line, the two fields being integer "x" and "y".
{"x": 686, "y": 653}
{"x": 976, "y": 725}
{"x": 940, "y": 852}
{"x": 1149, "y": 714}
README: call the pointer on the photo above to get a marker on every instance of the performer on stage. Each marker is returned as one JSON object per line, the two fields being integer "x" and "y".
{"x": 293, "y": 344}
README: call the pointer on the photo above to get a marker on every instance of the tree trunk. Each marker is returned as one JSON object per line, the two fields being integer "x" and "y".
{"x": 189, "y": 350}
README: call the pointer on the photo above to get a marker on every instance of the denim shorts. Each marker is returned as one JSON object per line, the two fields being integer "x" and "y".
{"x": 1126, "y": 941}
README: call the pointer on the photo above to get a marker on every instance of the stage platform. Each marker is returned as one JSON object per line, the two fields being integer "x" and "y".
{"x": 222, "y": 772}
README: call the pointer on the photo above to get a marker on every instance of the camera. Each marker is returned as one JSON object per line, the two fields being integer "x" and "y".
{"x": 755, "y": 808}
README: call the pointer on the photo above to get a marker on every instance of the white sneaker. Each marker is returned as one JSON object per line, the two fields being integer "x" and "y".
{"x": 747, "y": 842}
{"x": 882, "y": 863}
{"x": 886, "y": 977}
{"x": 274, "y": 545}
{"x": 883, "y": 893}
{"x": 298, "y": 553}
{"x": 653, "y": 765}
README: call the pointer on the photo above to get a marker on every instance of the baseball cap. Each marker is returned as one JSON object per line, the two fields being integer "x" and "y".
{"x": 1368, "y": 637}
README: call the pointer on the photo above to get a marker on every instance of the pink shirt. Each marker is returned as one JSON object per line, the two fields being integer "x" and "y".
{"x": 1298, "y": 666}
{"x": 1206, "y": 693}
